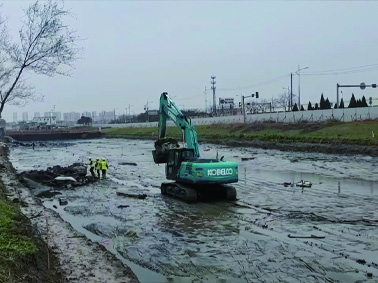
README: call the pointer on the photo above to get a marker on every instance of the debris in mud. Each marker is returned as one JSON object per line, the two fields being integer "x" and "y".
{"x": 122, "y": 206}
{"x": 47, "y": 194}
{"x": 361, "y": 261}
{"x": 143, "y": 196}
{"x": 63, "y": 201}
{"x": 60, "y": 177}
{"x": 127, "y": 163}
{"x": 304, "y": 184}
{"x": 306, "y": 237}
{"x": 247, "y": 158}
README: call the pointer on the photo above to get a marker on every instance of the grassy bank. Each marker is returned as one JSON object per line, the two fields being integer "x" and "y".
{"x": 23, "y": 252}
{"x": 15, "y": 243}
{"x": 358, "y": 132}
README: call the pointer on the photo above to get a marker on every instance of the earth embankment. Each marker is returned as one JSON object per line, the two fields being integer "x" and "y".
{"x": 60, "y": 254}
{"x": 358, "y": 137}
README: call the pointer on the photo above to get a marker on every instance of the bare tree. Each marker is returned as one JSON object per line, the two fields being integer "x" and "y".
{"x": 283, "y": 101}
{"x": 46, "y": 47}
{"x": 261, "y": 106}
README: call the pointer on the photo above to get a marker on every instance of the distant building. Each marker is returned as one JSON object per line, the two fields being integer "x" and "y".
{"x": 87, "y": 114}
{"x": 105, "y": 117}
{"x": 48, "y": 121}
{"x": 37, "y": 115}
{"x": 58, "y": 116}
{"x": 71, "y": 117}
{"x": 153, "y": 115}
{"x": 25, "y": 116}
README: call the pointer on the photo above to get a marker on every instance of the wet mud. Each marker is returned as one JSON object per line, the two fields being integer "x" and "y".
{"x": 271, "y": 233}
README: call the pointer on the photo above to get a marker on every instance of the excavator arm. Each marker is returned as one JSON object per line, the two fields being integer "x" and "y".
{"x": 169, "y": 110}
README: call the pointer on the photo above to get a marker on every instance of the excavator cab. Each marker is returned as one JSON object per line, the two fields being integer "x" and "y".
{"x": 174, "y": 159}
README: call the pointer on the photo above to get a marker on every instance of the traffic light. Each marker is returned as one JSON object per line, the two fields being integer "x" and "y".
{"x": 374, "y": 85}
{"x": 239, "y": 104}
{"x": 257, "y": 94}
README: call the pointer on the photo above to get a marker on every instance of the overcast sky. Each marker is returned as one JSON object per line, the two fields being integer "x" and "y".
{"x": 135, "y": 50}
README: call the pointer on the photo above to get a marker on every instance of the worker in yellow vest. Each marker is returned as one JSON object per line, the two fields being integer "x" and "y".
{"x": 104, "y": 167}
{"x": 98, "y": 167}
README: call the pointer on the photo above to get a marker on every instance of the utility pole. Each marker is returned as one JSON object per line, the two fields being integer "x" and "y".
{"x": 213, "y": 88}
{"x": 205, "y": 100}
{"x": 291, "y": 91}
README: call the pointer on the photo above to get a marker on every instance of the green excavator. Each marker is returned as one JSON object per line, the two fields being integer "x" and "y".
{"x": 194, "y": 178}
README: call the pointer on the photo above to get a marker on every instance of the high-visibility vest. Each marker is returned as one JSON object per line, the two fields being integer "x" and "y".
{"x": 98, "y": 165}
{"x": 104, "y": 165}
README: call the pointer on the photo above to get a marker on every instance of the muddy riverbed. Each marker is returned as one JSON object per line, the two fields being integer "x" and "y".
{"x": 272, "y": 233}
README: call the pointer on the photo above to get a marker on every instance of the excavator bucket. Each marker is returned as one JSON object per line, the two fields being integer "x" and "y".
{"x": 159, "y": 157}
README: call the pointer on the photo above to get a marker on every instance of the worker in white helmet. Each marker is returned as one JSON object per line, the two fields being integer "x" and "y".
{"x": 104, "y": 167}
{"x": 98, "y": 166}
{"x": 91, "y": 165}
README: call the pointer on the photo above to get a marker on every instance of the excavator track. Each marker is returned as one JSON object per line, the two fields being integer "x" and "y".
{"x": 191, "y": 193}
{"x": 180, "y": 191}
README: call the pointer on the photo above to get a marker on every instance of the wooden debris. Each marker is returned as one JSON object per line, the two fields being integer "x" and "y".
{"x": 127, "y": 163}
{"x": 143, "y": 196}
{"x": 306, "y": 237}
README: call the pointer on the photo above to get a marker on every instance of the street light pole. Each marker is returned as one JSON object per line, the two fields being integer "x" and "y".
{"x": 299, "y": 85}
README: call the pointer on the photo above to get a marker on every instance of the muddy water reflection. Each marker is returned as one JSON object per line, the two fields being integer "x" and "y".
{"x": 245, "y": 241}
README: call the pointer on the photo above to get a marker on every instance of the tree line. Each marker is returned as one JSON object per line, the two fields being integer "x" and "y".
{"x": 325, "y": 104}
{"x": 283, "y": 101}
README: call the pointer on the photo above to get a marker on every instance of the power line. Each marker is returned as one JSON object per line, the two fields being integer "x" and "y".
{"x": 255, "y": 85}
{"x": 350, "y": 70}
{"x": 359, "y": 69}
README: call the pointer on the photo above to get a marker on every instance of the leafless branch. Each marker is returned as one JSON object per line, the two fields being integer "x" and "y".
{"x": 46, "y": 47}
